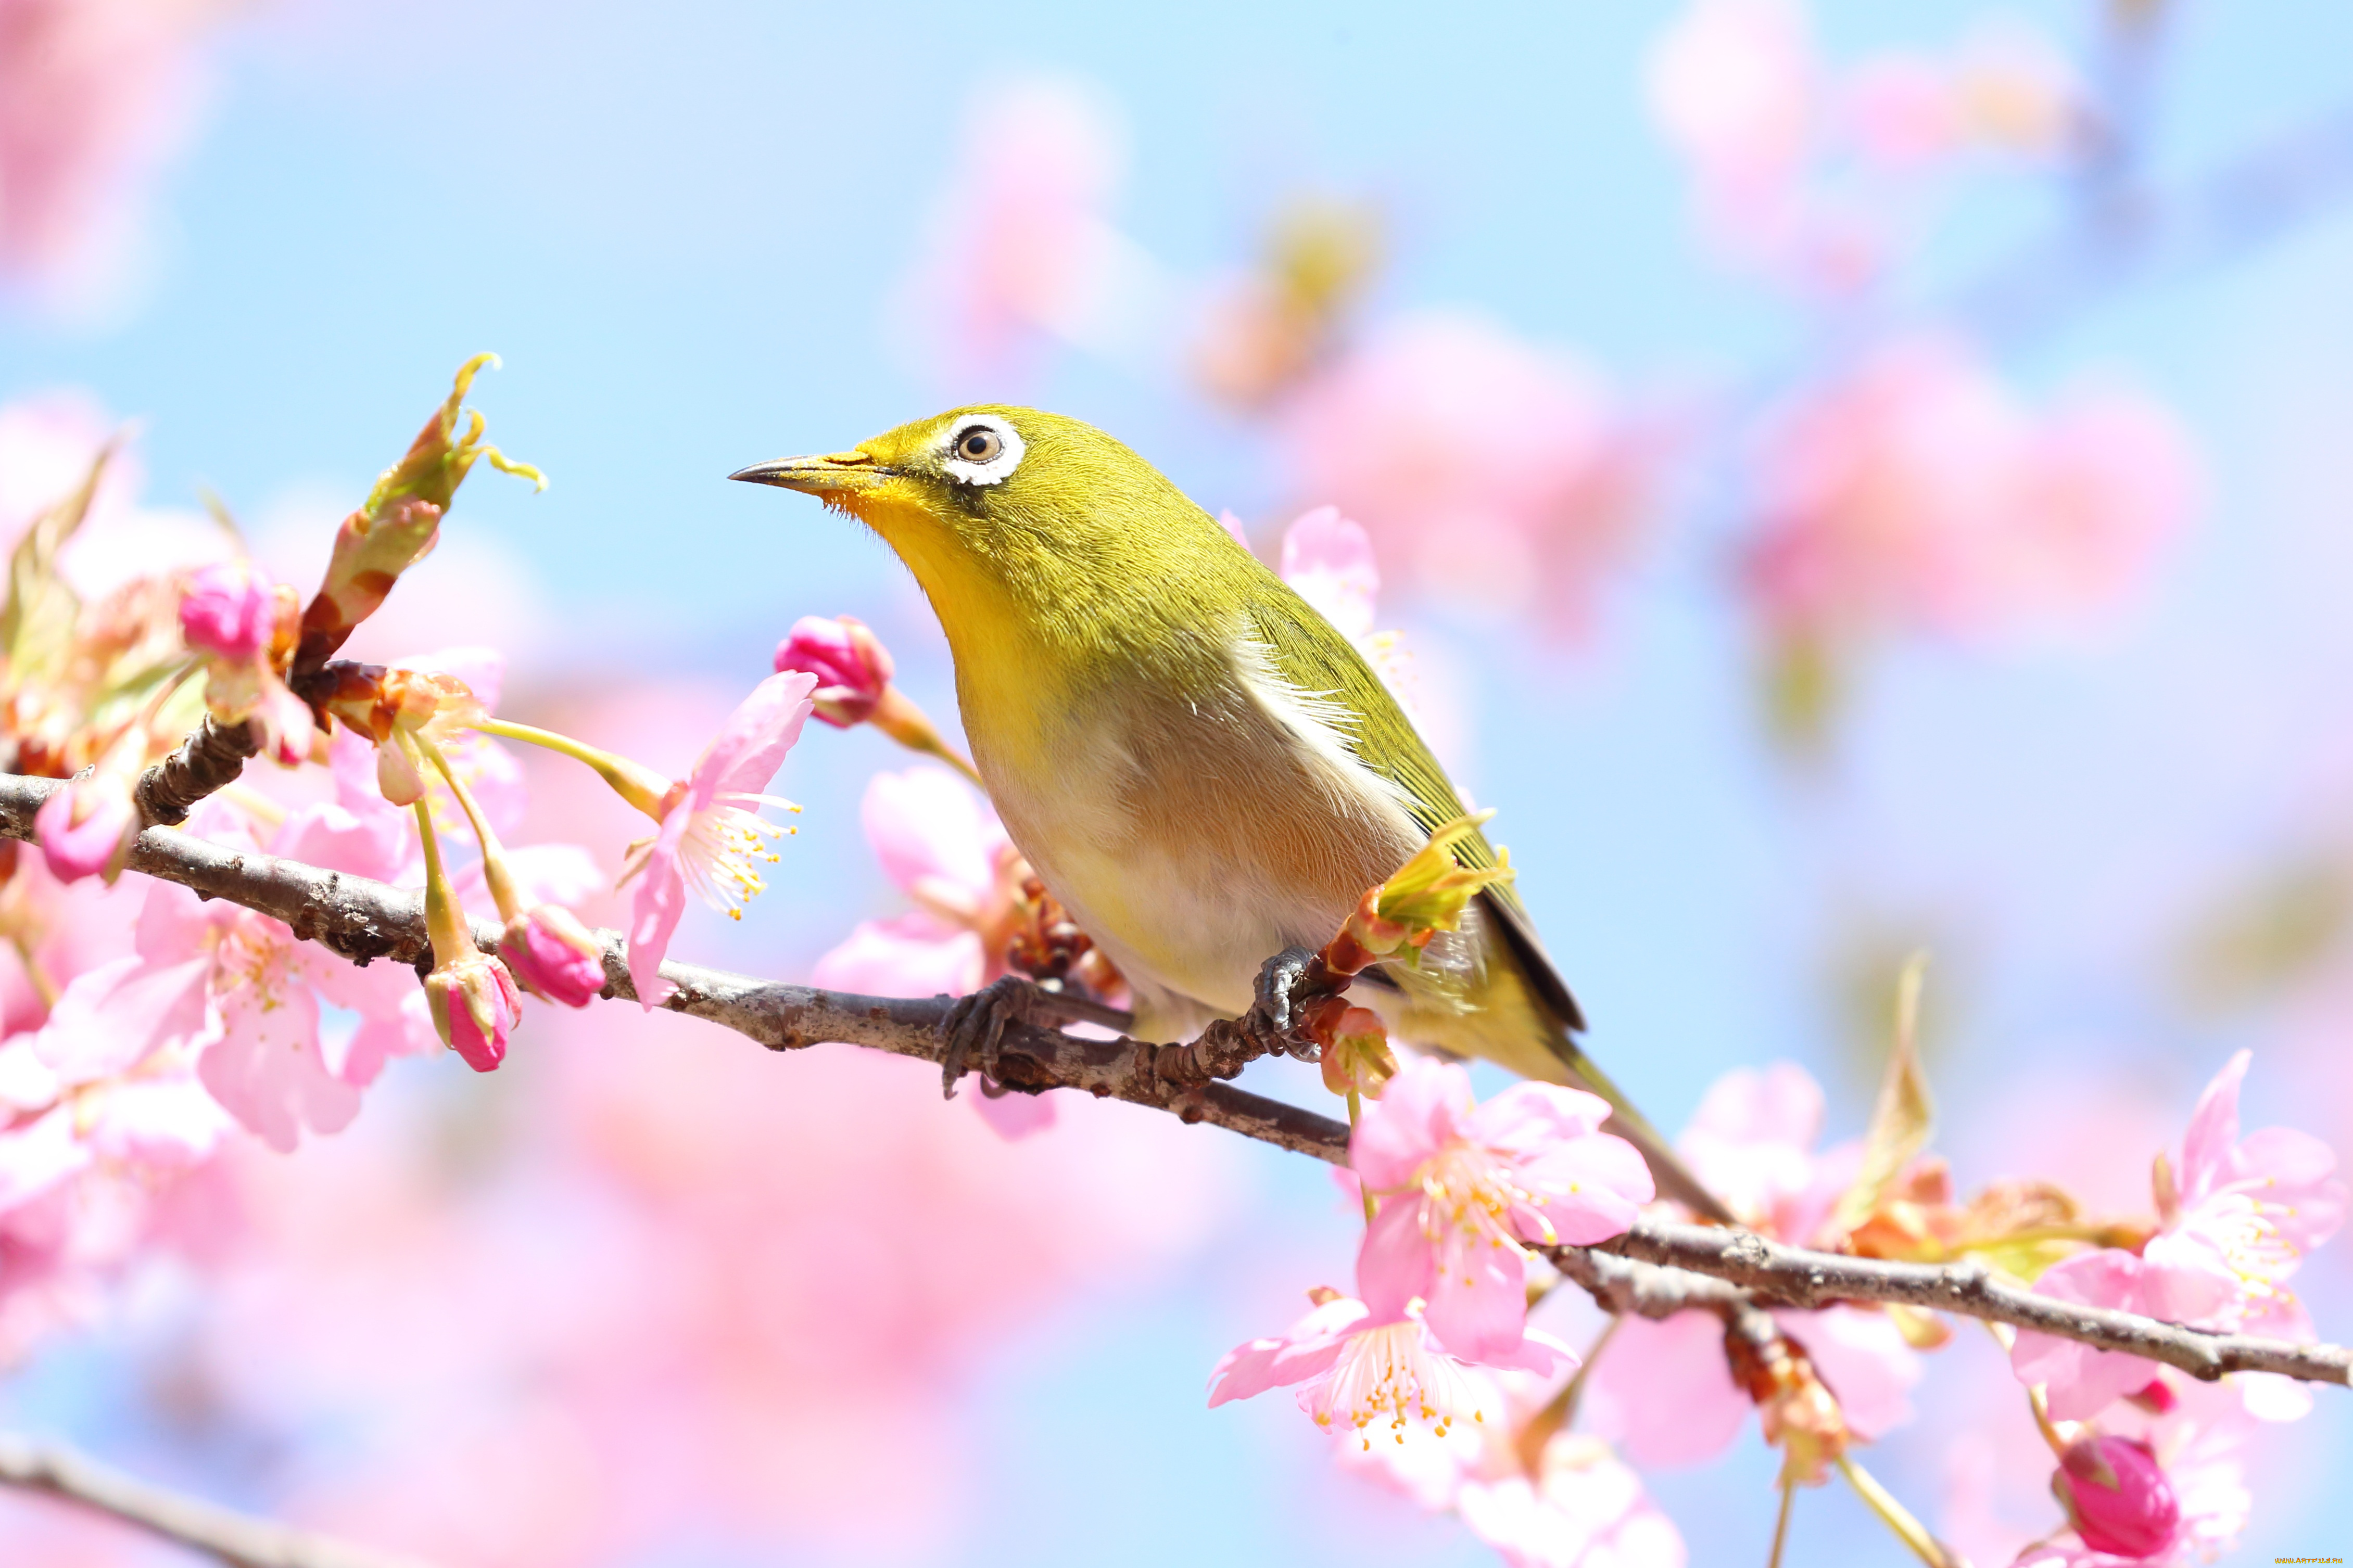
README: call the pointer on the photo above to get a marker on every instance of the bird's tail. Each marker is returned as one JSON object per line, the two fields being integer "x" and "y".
{"x": 1675, "y": 1178}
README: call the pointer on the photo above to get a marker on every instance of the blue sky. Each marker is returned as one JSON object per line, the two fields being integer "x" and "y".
{"x": 679, "y": 228}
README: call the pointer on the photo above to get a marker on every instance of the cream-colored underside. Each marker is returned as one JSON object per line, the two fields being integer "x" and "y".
{"x": 1193, "y": 840}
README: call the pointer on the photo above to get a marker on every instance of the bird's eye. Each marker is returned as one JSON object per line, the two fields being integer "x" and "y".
{"x": 982, "y": 450}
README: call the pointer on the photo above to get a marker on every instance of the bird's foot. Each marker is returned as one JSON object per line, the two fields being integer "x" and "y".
{"x": 976, "y": 1023}
{"x": 1276, "y": 1021}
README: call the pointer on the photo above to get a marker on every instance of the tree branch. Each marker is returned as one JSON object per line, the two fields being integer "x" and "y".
{"x": 234, "y": 1538}
{"x": 1701, "y": 1260}
{"x": 1705, "y": 1267}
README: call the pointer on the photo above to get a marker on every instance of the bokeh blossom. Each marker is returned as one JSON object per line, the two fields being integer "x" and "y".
{"x": 1496, "y": 472}
{"x": 1021, "y": 249}
{"x": 1915, "y": 492}
{"x": 93, "y": 95}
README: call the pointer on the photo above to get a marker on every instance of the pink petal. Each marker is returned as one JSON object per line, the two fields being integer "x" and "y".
{"x": 1328, "y": 562}
{"x": 1593, "y": 1188}
{"x": 1395, "y": 1263}
{"x": 113, "y": 1018}
{"x": 1014, "y": 1117}
{"x": 1478, "y": 1302}
{"x": 1535, "y": 1116}
{"x": 36, "y": 1158}
{"x": 751, "y": 745}
{"x": 1308, "y": 1347}
{"x": 266, "y": 1070}
{"x": 654, "y": 913}
{"x": 2079, "y": 1381}
{"x": 1861, "y": 1356}
{"x": 2207, "y": 1147}
{"x": 168, "y": 1123}
{"x": 927, "y": 822}
{"x": 913, "y": 955}
{"x": 1412, "y": 1119}
{"x": 1662, "y": 1391}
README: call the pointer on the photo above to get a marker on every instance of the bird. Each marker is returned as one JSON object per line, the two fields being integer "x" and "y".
{"x": 1198, "y": 766}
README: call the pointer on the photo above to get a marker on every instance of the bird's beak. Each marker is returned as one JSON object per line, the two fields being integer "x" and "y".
{"x": 832, "y": 474}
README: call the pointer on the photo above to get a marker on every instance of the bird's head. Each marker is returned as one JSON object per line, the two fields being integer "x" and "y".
{"x": 1002, "y": 511}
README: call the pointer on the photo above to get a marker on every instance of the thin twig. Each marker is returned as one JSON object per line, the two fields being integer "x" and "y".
{"x": 1717, "y": 1269}
{"x": 234, "y": 1538}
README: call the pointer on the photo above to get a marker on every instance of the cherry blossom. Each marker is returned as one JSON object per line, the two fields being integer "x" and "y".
{"x": 1487, "y": 468}
{"x": 2237, "y": 1220}
{"x": 1914, "y": 493}
{"x": 229, "y": 609}
{"x": 93, "y": 94}
{"x": 1465, "y": 1188}
{"x": 1358, "y": 1367}
{"x": 1578, "y": 1506}
{"x": 2118, "y": 1498}
{"x": 2181, "y": 1494}
{"x": 707, "y": 839}
{"x": 1021, "y": 247}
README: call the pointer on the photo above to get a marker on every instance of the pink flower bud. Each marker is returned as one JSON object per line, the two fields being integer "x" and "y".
{"x": 228, "y": 610}
{"x": 474, "y": 1008}
{"x": 851, "y": 666}
{"x": 2117, "y": 1497}
{"x": 554, "y": 955}
{"x": 87, "y": 827}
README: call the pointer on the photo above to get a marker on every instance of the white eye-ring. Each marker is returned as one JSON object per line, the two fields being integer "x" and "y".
{"x": 982, "y": 449}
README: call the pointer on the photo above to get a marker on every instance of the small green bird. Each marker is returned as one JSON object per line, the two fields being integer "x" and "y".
{"x": 1198, "y": 766}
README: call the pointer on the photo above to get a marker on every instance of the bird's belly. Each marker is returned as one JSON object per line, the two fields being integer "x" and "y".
{"x": 1192, "y": 855}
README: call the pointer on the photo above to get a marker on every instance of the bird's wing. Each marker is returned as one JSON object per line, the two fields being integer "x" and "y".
{"x": 1311, "y": 653}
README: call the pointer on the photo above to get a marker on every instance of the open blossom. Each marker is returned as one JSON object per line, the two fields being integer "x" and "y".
{"x": 1488, "y": 468}
{"x": 707, "y": 839}
{"x": 1358, "y": 1369}
{"x": 1575, "y": 1505}
{"x": 1914, "y": 493}
{"x": 1466, "y": 1188}
{"x": 2240, "y": 1216}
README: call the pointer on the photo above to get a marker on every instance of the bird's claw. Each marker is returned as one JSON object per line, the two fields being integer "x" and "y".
{"x": 1275, "y": 1015}
{"x": 976, "y": 1023}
